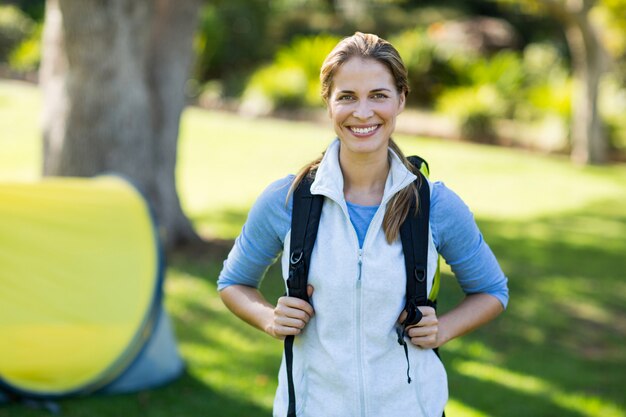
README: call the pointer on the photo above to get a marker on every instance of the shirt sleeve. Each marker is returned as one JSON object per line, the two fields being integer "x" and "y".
{"x": 460, "y": 242}
{"x": 261, "y": 239}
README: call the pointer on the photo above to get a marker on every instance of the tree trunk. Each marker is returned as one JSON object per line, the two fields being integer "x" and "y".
{"x": 589, "y": 141}
{"x": 113, "y": 75}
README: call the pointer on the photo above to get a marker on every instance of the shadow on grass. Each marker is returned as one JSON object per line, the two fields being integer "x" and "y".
{"x": 562, "y": 338}
{"x": 558, "y": 350}
{"x": 187, "y": 396}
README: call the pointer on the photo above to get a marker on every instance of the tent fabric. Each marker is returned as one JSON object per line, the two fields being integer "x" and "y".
{"x": 81, "y": 273}
{"x": 157, "y": 365}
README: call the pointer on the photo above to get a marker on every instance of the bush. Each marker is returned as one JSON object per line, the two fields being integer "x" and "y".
{"x": 292, "y": 80}
{"x": 533, "y": 87}
{"x": 15, "y": 26}
{"x": 475, "y": 108}
{"x": 477, "y": 126}
{"x": 230, "y": 41}
{"x": 430, "y": 72}
{"x": 275, "y": 87}
{"x": 549, "y": 87}
{"x": 503, "y": 73}
{"x": 27, "y": 55}
{"x": 490, "y": 88}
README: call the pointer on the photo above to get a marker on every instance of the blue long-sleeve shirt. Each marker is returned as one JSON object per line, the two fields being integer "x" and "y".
{"x": 455, "y": 235}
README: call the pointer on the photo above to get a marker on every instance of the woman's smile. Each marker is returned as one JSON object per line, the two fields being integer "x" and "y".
{"x": 364, "y": 131}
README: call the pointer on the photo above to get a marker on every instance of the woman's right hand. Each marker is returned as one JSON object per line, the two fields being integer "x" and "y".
{"x": 291, "y": 315}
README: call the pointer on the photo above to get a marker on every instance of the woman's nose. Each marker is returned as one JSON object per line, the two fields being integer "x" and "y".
{"x": 363, "y": 110}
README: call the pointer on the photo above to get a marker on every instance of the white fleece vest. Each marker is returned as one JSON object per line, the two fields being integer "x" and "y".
{"x": 347, "y": 361}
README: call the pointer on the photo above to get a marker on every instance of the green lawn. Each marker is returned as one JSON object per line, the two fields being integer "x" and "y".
{"x": 559, "y": 232}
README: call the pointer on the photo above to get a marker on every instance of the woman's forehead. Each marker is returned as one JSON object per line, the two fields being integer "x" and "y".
{"x": 362, "y": 73}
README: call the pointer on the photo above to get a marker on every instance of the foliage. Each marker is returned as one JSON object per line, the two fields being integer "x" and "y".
{"x": 429, "y": 68}
{"x": 549, "y": 89}
{"x": 27, "y": 55}
{"x": 231, "y": 40}
{"x": 489, "y": 88}
{"x": 35, "y": 9}
{"x": 613, "y": 107}
{"x": 292, "y": 80}
{"x": 15, "y": 26}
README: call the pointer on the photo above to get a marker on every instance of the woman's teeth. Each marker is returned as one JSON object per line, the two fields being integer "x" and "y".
{"x": 363, "y": 130}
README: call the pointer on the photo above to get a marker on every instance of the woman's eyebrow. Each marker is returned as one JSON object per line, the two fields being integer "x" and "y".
{"x": 375, "y": 90}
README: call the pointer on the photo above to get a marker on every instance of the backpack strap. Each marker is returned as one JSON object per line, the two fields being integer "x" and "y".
{"x": 414, "y": 236}
{"x": 305, "y": 220}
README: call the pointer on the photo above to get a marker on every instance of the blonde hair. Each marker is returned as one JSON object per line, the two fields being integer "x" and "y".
{"x": 368, "y": 46}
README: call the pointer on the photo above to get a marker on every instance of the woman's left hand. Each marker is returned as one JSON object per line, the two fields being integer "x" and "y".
{"x": 425, "y": 333}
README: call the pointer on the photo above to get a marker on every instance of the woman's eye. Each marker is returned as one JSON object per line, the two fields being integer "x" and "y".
{"x": 345, "y": 98}
{"x": 379, "y": 96}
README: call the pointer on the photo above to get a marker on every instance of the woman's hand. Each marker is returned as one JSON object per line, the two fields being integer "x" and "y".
{"x": 432, "y": 331}
{"x": 290, "y": 316}
{"x": 424, "y": 334}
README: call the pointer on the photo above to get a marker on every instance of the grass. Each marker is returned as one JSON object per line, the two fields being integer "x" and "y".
{"x": 559, "y": 232}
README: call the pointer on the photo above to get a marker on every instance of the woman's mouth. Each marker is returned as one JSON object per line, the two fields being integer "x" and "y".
{"x": 363, "y": 131}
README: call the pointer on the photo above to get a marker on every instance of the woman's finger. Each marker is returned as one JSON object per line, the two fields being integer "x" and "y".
{"x": 295, "y": 303}
{"x": 425, "y": 342}
{"x": 417, "y": 331}
{"x": 295, "y": 313}
{"x": 290, "y": 322}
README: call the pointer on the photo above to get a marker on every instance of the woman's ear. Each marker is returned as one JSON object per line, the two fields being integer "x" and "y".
{"x": 402, "y": 102}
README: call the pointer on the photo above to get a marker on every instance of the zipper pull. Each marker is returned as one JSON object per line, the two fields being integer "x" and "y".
{"x": 360, "y": 264}
{"x": 401, "y": 332}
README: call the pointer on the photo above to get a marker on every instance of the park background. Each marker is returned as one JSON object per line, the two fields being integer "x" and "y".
{"x": 517, "y": 105}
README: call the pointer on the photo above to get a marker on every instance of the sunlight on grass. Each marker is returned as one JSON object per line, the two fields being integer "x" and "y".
{"x": 456, "y": 408}
{"x": 473, "y": 349}
{"x": 585, "y": 404}
{"x": 501, "y": 184}
{"x": 226, "y": 356}
{"x": 226, "y": 161}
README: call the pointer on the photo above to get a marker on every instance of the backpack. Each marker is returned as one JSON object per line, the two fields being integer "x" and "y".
{"x": 305, "y": 218}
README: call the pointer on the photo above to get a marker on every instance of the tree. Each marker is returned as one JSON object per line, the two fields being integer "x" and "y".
{"x": 589, "y": 63}
{"x": 113, "y": 75}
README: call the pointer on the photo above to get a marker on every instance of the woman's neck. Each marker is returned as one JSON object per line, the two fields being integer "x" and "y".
{"x": 364, "y": 178}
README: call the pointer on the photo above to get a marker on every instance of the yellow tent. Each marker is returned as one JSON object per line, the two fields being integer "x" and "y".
{"x": 81, "y": 278}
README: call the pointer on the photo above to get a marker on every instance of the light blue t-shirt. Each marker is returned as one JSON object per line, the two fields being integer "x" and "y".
{"x": 455, "y": 235}
{"x": 361, "y": 217}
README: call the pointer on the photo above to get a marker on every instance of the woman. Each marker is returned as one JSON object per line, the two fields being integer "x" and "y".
{"x": 346, "y": 357}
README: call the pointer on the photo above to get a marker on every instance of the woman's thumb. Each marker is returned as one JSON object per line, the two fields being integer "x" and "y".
{"x": 309, "y": 290}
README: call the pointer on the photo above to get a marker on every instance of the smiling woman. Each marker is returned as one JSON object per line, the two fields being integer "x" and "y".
{"x": 353, "y": 333}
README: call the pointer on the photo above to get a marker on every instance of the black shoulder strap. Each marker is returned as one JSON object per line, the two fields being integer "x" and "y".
{"x": 305, "y": 220}
{"x": 414, "y": 236}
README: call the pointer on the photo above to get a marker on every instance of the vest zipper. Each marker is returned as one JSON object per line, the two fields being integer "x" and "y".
{"x": 359, "y": 353}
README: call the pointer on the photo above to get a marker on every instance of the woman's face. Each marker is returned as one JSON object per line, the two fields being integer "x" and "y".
{"x": 363, "y": 105}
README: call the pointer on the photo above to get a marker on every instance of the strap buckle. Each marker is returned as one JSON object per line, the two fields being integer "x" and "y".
{"x": 419, "y": 274}
{"x": 414, "y": 315}
{"x": 296, "y": 282}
